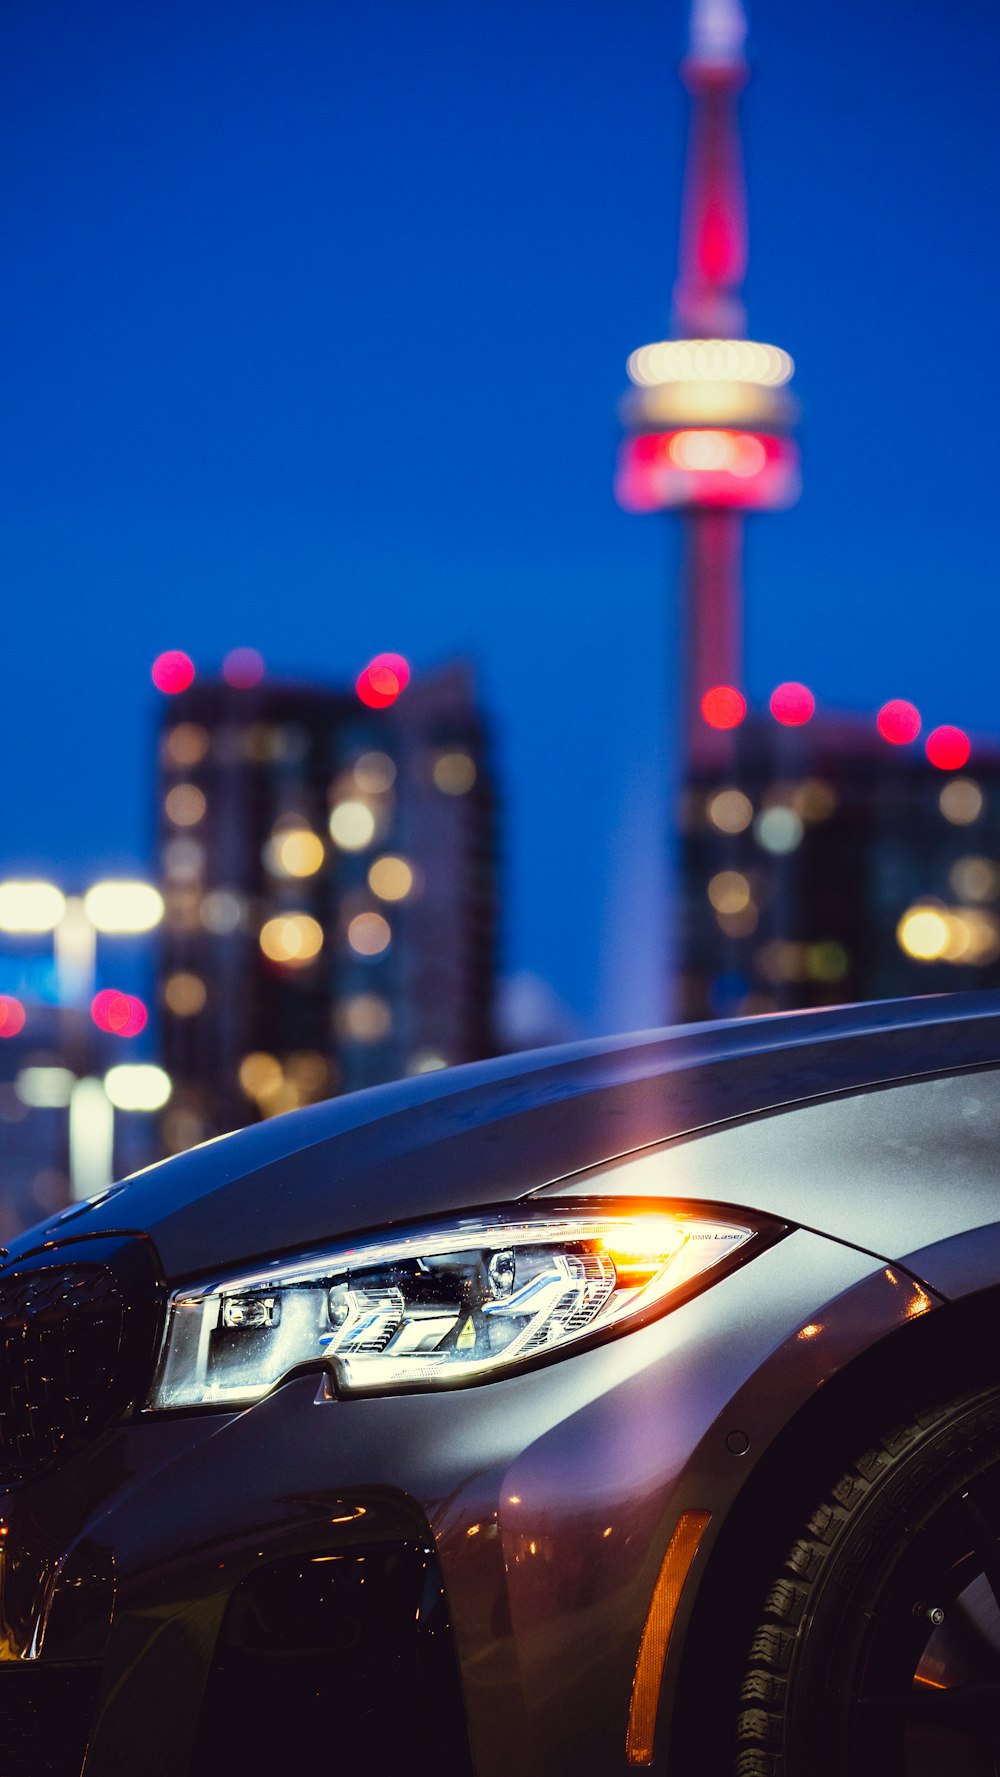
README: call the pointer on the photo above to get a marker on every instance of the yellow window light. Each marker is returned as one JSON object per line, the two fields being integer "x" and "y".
{"x": 294, "y": 939}
{"x": 352, "y": 825}
{"x": 391, "y": 878}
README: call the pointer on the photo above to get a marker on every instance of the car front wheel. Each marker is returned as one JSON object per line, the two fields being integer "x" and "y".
{"x": 877, "y": 1649}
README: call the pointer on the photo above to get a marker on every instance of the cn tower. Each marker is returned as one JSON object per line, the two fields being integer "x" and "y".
{"x": 709, "y": 416}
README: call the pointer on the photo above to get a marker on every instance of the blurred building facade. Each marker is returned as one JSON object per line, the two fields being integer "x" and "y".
{"x": 825, "y": 864}
{"x": 822, "y": 856}
{"x": 61, "y": 1133}
{"x": 330, "y": 878}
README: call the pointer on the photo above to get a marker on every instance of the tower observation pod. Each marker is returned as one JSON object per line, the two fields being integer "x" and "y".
{"x": 708, "y": 416}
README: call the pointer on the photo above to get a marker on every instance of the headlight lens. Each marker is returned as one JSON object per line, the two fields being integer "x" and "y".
{"x": 438, "y": 1305}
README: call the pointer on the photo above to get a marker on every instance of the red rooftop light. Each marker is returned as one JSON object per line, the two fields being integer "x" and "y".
{"x": 172, "y": 671}
{"x": 792, "y": 704}
{"x": 243, "y": 668}
{"x": 723, "y": 707}
{"x": 948, "y": 748}
{"x": 11, "y": 1015}
{"x": 382, "y": 680}
{"x": 899, "y": 722}
{"x": 122, "y": 1014}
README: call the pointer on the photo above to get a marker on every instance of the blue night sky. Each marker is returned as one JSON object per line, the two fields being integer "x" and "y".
{"x": 314, "y": 320}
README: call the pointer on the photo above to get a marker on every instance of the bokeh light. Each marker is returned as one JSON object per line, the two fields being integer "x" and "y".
{"x": 374, "y": 773}
{"x": 186, "y": 744}
{"x": 898, "y": 721}
{"x": 243, "y": 668}
{"x": 923, "y": 933}
{"x": 792, "y": 704}
{"x": 121, "y": 1014}
{"x": 260, "y": 1075}
{"x": 184, "y": 805}
{"x": 294, "y": 851}
{"x": 293, "y": 939}
{"x": 975, "y": 879}
{"x": 961, "y": 801}
{"x": 739, "y": 925}
{"x": 12, "y": 1015}
{"x": 381, "y": 681}
{"x": 931, "y": 933}
{"x": 454, "y": 773}
{"x": 814, "y": 799}
{"x": 137, "y": 1086}
{"x": 352, "y": 825}
{"x": 172, "y": 672}
{"x": 222, "y": 911}
{"x": 309, "y": 1072}
{"x": 391, "y": 879}
{"x": 948, "y": 748}
{"x": 778, "y": 830}
{"x": 364, "y": 1018}
{"x": 729, "y": 891}
{"x": 30, "y": 906}
{"x": 730, "y": 811}
{"x": 723, "y": 707}
{"x": 184, "y": 994}
{"x": 123, "y": 906}
{"x": 369, "y": 934}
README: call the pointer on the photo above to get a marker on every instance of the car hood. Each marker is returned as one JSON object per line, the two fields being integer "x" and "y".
{"x": 495, "y": 1131}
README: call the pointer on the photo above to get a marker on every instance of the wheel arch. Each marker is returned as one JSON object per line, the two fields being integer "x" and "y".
{"x": 914, "y": 1365}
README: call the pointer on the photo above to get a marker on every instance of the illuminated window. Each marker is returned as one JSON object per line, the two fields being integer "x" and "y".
{"x": 293, "y": 939}
{"x": 184, "y": 994}
{"x": 961, "y": 802}
{"x": 730, "y": 811}
{"x": 374, "y": 773}
{"x": 186, "y": 744}
{"x": 185, "y": 805}
{"x": 364, "y": 1018}
{"x": 261, "y": 1075}
{"x": 369, "y": 934}
{"x": 294, "y": 851}
{"x": 778, "y": 830}
{"x": 222, "y": 911}
{"x": 352, "y": 825}
{"x": 729, "y": 891}
{"x": 391, "y": 879}
{"x": 454, "y": 773}
{"x": 975, "y": 879}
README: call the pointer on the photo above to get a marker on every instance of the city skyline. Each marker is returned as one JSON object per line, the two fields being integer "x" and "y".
{"x": 209, "y": 445}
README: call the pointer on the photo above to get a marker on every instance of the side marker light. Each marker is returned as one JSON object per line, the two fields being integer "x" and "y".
{"x": 681, "y": 1551}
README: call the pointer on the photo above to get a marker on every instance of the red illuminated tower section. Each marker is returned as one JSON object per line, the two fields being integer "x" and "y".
{"x": 708, "y": 417}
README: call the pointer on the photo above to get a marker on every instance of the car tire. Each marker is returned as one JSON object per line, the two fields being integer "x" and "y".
{"x": 877, "y": 1648}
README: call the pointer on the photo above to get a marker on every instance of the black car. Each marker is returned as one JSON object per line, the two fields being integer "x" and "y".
{"x": 634, "y": 1405}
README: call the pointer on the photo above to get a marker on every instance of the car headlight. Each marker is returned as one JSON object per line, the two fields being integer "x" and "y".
{"x": 442, "y": 1304}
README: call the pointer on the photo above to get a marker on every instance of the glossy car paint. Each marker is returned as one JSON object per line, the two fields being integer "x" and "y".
{"x": 549, "y": 1496}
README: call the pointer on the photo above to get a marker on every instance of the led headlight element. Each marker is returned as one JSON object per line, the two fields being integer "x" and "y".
{"x": 437, "y": 1305}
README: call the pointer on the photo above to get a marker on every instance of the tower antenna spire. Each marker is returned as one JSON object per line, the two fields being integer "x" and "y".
{"x": 713, "y": 257}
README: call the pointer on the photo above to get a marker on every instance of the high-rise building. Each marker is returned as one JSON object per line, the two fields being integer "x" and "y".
{"x": 329, "y": 873}
{"x": 823, "y": 857}
{"x": 830, "y": 864}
